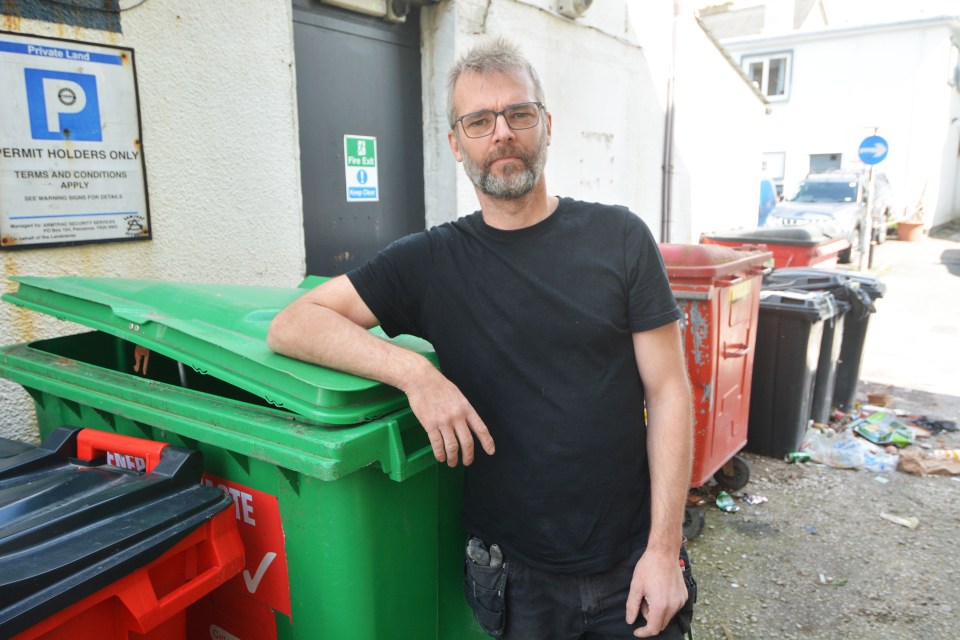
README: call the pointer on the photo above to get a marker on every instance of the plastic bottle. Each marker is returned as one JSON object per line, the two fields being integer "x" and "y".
{"x": 842, "y": 452}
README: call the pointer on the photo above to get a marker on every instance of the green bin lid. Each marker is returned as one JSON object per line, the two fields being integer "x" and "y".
{"x": 219, "y": 330}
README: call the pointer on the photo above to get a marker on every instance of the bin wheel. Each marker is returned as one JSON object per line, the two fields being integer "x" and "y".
{"x": 694, "y": 519}
{"x": 735, "y": 474}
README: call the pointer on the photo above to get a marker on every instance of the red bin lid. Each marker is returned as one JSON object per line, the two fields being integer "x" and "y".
{"x": 706, "y": 261}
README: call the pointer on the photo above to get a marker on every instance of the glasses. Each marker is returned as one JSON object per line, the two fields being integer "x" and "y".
{"x": 525, "y": 115}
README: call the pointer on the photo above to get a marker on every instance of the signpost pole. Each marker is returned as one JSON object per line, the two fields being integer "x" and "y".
{"x": 872, "y": 150}
{"x": 866, "y": 233}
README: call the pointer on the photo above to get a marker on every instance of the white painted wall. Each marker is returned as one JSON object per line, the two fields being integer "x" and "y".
{"x": 846, "y": 81}
{"x": 218, "y": 112}
{"x": 718, "y": 150}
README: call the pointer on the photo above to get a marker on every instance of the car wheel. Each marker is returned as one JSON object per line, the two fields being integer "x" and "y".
{"x": 852, "y": 253}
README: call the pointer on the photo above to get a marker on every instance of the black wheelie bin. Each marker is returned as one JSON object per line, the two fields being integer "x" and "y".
{"x": 789, "y": 340}
{"x": 857, "y": 290}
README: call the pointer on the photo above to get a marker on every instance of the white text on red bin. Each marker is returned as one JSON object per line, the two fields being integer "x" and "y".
{"x": 125, "y": 461}
{"x": 242, "y": 501}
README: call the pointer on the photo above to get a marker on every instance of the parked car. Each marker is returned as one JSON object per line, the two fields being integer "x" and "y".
{"x": 836, "y": 202}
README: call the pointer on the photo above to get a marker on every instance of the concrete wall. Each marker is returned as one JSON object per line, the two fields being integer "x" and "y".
{"x": 218, "y": 114}
{"x": 847, "y": 81}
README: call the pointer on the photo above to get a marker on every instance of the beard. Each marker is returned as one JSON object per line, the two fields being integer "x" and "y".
{"x": 512, "y": 183}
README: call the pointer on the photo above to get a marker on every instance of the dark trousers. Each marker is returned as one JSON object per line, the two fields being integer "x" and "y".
{"x": 550, "y": 606}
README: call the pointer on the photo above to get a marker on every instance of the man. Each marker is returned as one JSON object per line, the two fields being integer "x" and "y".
{"x": 555, "y": 327}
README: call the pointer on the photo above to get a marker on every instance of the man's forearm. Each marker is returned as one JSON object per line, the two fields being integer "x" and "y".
{"x": 663, "y": 369}
{"x": 669, "y": 451}
{"x": 669, "y": 438}
{"x": 316, "y": 334}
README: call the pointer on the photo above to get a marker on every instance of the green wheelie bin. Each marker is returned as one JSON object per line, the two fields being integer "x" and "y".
{"x": 350, "y": 527}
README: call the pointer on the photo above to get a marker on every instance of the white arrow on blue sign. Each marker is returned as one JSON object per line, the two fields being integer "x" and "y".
{"x": 873, "y": 150}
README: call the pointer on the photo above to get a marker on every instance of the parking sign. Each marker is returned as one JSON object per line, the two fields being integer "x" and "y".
{"x": 71, "y": 155}
{"x": 62, "y": 106}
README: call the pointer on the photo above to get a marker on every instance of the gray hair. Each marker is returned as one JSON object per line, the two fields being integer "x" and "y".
{"x": 492, "y": 56}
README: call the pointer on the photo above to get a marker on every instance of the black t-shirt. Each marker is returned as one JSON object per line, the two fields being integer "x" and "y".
{"x": 535, "y": 328}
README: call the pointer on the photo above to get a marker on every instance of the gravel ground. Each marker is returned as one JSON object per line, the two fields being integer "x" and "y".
{"x": 817, "y": 561}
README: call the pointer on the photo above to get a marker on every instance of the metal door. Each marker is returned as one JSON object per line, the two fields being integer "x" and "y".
{"x": 357, "y": 76}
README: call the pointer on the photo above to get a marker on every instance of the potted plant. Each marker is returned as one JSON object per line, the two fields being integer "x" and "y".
{"x": 913, "y": 228}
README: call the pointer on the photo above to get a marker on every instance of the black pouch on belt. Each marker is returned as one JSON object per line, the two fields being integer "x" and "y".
{"x": 484, "y": 586}
{"x": 685, "y": 615}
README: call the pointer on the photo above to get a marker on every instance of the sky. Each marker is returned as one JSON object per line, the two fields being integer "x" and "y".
{"x": 843, "y": 12}
{"x": 861, "y": 11}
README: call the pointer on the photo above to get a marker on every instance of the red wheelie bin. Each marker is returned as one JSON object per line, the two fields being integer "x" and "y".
{"x": 718, "y": 290}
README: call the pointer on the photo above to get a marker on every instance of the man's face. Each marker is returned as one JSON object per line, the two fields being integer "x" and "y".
{"x": 507, "y": 164}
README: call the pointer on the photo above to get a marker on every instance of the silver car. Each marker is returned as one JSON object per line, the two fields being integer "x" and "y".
{"x": 836, "y": 202}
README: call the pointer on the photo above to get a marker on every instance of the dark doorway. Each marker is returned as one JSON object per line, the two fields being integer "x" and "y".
{"x": 357, "y": 76}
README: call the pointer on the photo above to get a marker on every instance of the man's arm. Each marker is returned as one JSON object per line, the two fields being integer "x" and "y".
{"x": 328, "y": 326}
{"x": 657, "y": 590}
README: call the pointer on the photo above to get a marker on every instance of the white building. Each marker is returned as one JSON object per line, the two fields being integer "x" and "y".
{"x": 831, "y": 87}
{"x": 244, "y": 106}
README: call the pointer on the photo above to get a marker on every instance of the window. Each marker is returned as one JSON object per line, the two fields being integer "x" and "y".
{"x": 825, "y": 191}
{"x": 820, "y": 162}
{"x": 770, "y": 73}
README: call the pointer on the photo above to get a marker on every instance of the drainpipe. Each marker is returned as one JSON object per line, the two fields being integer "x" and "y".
{"x": 666, "y": 187}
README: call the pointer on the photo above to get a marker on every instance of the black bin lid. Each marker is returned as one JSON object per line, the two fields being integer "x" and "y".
{"x": 855, "y": 290}
{"x": 70, "y": 527}
{"x": 812, "y": 306}
{"x": 811, "y": 279}
{"x": 800, "y": 236}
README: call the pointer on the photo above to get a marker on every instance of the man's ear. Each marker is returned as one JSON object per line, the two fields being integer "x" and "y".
{"x": 454, "y": 145}
{"x": 549, "y": 127}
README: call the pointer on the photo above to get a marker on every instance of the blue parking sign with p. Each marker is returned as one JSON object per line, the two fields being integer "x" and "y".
{"x": 62, "y": 105}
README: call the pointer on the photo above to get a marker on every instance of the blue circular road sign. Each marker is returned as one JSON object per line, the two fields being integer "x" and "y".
{"x": 873, "y": 150}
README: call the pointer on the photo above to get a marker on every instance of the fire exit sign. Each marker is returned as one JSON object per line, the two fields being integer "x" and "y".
{"x": 360, "y": 168}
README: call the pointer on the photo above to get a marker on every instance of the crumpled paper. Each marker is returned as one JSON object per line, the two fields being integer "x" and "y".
{"x": 921, "y": 462}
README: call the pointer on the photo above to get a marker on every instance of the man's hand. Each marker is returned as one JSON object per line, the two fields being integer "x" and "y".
{"x": 447, "y": 416}
{"x": 328, "y": 325}
{"x": 657, "y": 591}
